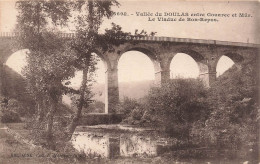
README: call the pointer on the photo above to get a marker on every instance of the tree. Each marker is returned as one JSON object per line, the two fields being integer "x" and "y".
{"x": 89, "y": 20}
{"x": 49, "y": 60}
{"x": 53, "y": 59}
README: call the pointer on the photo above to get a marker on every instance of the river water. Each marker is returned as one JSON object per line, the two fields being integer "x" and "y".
{"x": 113, "y": 142}
{"x": 119, "y": 144}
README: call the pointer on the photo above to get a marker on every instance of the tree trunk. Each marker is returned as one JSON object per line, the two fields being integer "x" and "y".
{"x": 76, "y": 119}
{"x": 40, "y": 111}
{"x": 50, "y": 117}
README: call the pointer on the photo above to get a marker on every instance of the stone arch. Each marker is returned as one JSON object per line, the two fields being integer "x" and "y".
{"x": 235, "y": 57}
{"x": 135, "y": 65}
{"x": 16, "y": 56}
{"x": 6, "y": 49}
{"x": 201, "y": 61}
{"x": 6, "y": 54}
{"x": 197, "y": 57}
{"x": 12, "y": 83}
{"x": 147, "y": 50}
{"x": 184, "y": 64}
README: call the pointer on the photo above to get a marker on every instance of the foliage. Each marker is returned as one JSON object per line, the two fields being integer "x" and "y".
{"x": 127, "y": 106}
{"x": 15, "y": 90}
{"x": 232, "y": 124}
{"x": 96, "y": 107}
{"x": 176, "y": 105}
{"x": 4, "y": 102}
{"x": 9, "y": 116}
{"x": 41, "y": 137}
{"x": 53, "y": 59}
{"x": 18, "y": 107}
{"x": 11, "y": 110}
{"x": 115, "y": 36}
{"x": 35, "y": 17}
{"x": 132, "y": 110}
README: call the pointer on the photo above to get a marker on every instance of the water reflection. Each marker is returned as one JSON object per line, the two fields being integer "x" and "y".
{"x": 137, "y": 146}
{"x": 114, "y": 145}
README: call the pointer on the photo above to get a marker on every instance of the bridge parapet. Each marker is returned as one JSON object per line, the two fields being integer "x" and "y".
{"x": 156, "y": 39}
{"x": 15, "y": 34}
{"x": 8, "y": 34}
{"x": 189, "y": 40}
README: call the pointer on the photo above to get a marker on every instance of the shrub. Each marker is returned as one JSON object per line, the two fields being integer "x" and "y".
{"x": 8, "y": 116}
{"x": 95, "y": 107}
{"x": 22, "y": 108}
{"x": 127, "y": 106}
{"x": 39, "y": 136}
{"x": 132, "y": 110}
{"x": 176, "y": 105}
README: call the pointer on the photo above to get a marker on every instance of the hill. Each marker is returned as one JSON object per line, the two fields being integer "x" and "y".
{"x": 135, "y": 90}
{"x": 14, "y": 86}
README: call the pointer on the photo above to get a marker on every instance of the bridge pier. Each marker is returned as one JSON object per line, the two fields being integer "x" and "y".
{"x": 112, "y": 91}
{"x": 111, "y": 85}
{"x": 162, "y": 70}
{"x": 162, "y": 76}
{"x": 207, "y": 72}
{"x": 208, "y": 78}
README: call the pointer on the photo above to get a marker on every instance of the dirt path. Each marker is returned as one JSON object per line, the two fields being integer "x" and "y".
{"x": 13, "y": 150}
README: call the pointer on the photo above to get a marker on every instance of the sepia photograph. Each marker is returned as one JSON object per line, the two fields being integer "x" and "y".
{"x": 127, "y": 81}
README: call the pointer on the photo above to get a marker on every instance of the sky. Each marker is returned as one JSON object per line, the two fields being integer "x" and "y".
{"x": 136, "y": 66}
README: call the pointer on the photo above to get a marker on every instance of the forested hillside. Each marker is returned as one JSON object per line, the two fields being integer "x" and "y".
{"x": 15, "y": 86}
{"x": 134, "y": 90}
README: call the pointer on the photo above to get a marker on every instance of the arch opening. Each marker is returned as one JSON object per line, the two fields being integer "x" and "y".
{"x": 17, "y": 60}
{"x": 224, "y": 63}
{"x": 135, "y": 74}
{"x": 183, "y": 66}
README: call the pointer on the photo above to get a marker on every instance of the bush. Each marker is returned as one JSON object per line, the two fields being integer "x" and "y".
{"x": 95, "y": 107}
{"x": 19, "y": 107}
{"x": 176, "y": 105}
{"x": 8, "y": 116}
{"x": 39, "y": 136}
{"x": 132, "y": 110}
{"x": 126, "y": 106}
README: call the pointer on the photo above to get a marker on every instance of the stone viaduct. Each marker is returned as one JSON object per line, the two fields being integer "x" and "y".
{"x": 160, "y": 50}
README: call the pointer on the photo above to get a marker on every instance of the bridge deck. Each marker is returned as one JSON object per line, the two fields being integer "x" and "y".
{"x": 159, "y": 39}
